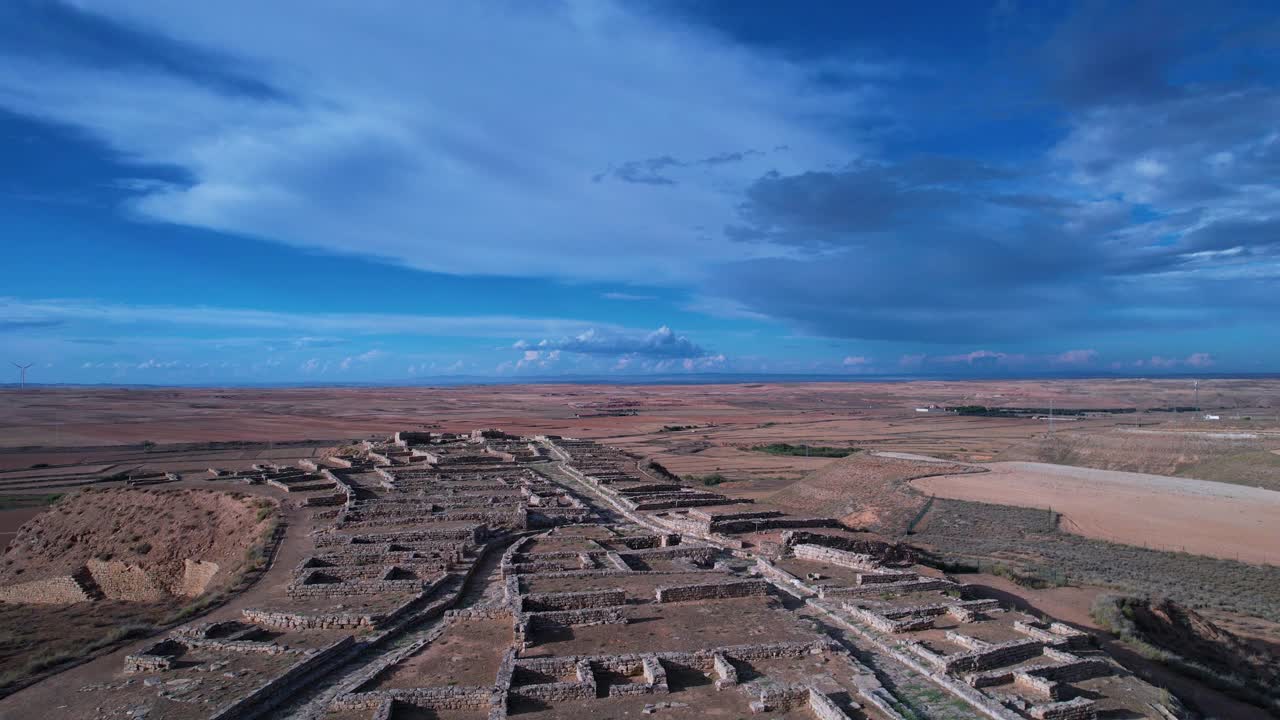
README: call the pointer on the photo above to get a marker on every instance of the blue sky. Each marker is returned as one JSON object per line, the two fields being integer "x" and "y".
{"x": 329, "y": 191}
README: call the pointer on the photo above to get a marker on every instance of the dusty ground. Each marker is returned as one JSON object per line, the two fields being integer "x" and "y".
{"x": 863, "y": 491}
{"x": 83, "y": 432}
{"x": 36, "y": 637}
{"x": 1206, "y": 518}
{"x": 155, "y": 529}
{"x": 879, "y": 415}
{"x": 468, "y": 653}
{"x": 43, "y": 627}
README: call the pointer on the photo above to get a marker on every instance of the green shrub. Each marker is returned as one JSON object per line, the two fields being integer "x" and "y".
{"x": 805, "y": 450}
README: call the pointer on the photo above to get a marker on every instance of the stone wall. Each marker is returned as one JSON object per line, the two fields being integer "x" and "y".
{"x": 430, "y": 698}
{"x": 916, "y": 617}
{"x": 919, "y": 584}
{"x": 325, "y": 500}
{"x": 472, "y": 534}
{"x": 1075, "y": 709}
{"x": 119, "y": 580}
{"x": 313, "y": 586}
{"x": 834, "y": 556}
{"x": 337, "y": 620}
{"x": 726, "y": 673}
{"x": 711, "y": 591}
{"x": 60, "y": 590}
{"x": 157, "y": 657}
{"x": 993, "y": 656}
{"x": 774, "y": 523}
{"x": 197, "y": 576}
{"x": 542, "y": 602}
{"x": 824, "y": 708}
{"x": 586, "y": 616}
{"x": 880, "y": 550}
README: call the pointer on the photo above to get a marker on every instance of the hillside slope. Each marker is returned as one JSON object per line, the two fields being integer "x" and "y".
{"x": 140, "y": 544}
{"x": 864, "y": 491}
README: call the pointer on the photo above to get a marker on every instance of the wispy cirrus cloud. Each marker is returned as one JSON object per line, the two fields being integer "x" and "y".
{"x": 361, "y": 155}
{"x": 56, "y": 312}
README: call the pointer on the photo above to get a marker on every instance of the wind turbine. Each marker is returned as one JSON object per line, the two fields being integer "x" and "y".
{"x": 22, "y": 374}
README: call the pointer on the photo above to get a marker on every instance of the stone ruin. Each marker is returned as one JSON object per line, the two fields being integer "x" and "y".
{"x": 487, "y": 576}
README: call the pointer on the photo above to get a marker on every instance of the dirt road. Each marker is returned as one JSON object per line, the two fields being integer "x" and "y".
{"x": 1197, "y": 516}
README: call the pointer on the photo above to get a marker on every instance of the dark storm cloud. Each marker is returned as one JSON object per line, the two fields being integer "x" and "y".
{"x": 932, "y": 260}
{"x": 1156, "y": 210}
{"x": 1117, "y": 52}
{"x": 820, "y": 207}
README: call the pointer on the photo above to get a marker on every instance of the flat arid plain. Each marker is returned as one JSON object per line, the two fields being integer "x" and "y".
{"x": 926, "y": 549}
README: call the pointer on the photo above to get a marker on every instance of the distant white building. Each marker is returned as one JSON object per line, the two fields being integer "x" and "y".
{"x": 922, "y": 409}
{"x": 1212, "y": 417}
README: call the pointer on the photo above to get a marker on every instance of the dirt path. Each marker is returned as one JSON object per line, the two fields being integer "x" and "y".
{"x": 1195, "y": 516}
{"x": 921, "y": 458}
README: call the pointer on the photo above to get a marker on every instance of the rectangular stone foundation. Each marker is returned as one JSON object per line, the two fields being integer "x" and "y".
{"x": 712, "y": 591}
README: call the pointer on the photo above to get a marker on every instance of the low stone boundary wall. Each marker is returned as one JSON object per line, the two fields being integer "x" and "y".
{"x": 711, "y": 591}
{"x": 726, "y": 673}
{"x": 701, "y": 554}
{"x": 834, "y": 556}
{"x": 879, "y": 550}
{"x": 993, "y": 656}
{"x": 610, "y": 572}
{"x": 773, "y": 523}
{"x": 642, "y": 542}
{"x": 242, "y": 646}
{"x": 1075, "y": 709}
{"x": 921, "y": 584}
{"x": 542, "y": 602}
{"x": 917, "y": 617}
{"x": 472, "y": 534}
{"x": 325, "y": 500}
{"x": 1058, "y": 635}
{"x": 338, "y": 620}
{"x": 430, "y": 698}
{"x": 824, "y": 708}
{"x": 308, "y": 589}
{"x": 686, "y": 502}
{"x": 584, "y": 688}
{"x": 569, "y": 618}
{"x": 779, "y": 576}
{"x": 155, "y": 658}
{"x": 305, "y": 486}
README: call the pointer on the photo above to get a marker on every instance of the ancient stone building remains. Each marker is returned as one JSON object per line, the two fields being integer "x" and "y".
{"x": 489, "y": 576}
